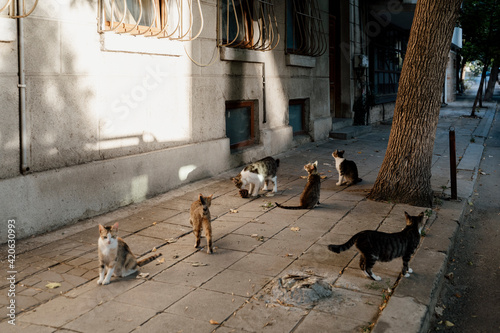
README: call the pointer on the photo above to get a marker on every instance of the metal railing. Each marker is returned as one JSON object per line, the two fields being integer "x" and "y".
{"x": 11, "y": 8}
{"x": 309, "y": 37}
{"x": 248, "y": 24}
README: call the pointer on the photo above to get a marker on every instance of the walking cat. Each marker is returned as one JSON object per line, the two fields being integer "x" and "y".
{"x": 115, "y": 257}
{"x": 199, "y": 217}
{"x": 310, "y": 196}
{"x": 380, "y": 246}
{"x": 346, "y": 169}
{"x": 257, "y": 173}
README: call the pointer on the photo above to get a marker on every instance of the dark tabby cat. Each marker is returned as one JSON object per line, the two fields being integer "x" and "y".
{"x": 115, "y": 257}
{"x": 346, "y": 169}
{"x": 199, "y": 217}
{"x": 257, "y": 173}
{"x": 380, "y": 246}
{"x": 310, "y": 196}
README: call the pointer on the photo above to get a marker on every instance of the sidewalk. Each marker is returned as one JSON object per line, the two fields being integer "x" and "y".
{"x": 236, "y": 288}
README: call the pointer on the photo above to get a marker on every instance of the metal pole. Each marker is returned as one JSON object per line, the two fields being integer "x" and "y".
{"x": 453, "y": 164}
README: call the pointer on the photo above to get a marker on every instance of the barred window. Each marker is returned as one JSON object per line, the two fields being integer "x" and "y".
{"x": 248, "y": 24}
{"x": 305, "y": 33}
{"x": 387, "y": 55}
{"x": 11, "y": 8}
{"x": 173, "y": 19}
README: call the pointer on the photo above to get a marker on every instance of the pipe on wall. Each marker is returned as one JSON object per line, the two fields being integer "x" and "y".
{"x": 24, "y": 139}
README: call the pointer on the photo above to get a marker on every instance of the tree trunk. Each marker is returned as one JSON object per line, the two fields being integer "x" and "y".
{"x": 479, "y": 94}
{"x": 405, "y": 174}
{"x": 488, "y": 95}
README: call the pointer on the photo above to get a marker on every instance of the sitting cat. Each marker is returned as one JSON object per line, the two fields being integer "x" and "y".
{"x": 257, "y": 173}
{"x": 346, "y": 169}
{"x": 310, "y": 195}
{"x": 380, "y": 246}
{"x": 115, "y": 257}
{"x": 199, "y": 217}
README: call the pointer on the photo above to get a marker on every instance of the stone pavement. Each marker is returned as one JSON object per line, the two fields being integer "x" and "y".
{"x": 257, "y": 247}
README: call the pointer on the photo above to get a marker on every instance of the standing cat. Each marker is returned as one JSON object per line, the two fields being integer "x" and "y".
{"x": 380, "y": 246}
{"x": 257, "y": 173}
{"x": 199, "y": 217}
{"x": 346, "y": 169}
{"x": 115, "y": 257}
{"x": 310, "y": 196}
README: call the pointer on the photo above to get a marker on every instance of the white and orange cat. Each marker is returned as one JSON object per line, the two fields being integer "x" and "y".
{"x": 115, "y": 257}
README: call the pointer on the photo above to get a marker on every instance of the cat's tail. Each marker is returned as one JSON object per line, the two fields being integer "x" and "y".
{"x": 343, "y": 247}
{"x": 289, "y": 207}
{"x": 148, "y": 259}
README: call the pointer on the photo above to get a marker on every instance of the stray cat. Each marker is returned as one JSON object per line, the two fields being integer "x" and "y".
{"x": 115, "y": 257}
{"x": 380, "y": 246}
{"x": 199, "y": 217}
{"x": 310, "y": 196}
{"x": 257, "y": 173}
{"x": 346, "y": 169}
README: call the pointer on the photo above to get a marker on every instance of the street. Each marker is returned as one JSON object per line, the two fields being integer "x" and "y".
{"x": 470, "y": 296}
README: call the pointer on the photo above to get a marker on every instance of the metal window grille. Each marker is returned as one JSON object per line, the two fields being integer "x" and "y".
{"x": 17, "y": 11}
{"x": 172, "y": 19}
{"x": 305, "y": 32}
{"x": 249, "y": 24}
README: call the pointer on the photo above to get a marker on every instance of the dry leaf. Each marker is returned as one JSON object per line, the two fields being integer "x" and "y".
{"x": 52, "y": 285}
{"x": 233, "y": 210}
{"x": 303, "y": 177}
{"x": 142, "y": 275}
{"x": 154, "y": 249}
{"x": 198, "y": 264}
{"x": 213, "y": 322}
{"x": 154, "y": 223}
{"x": 295, "y": 228}
{"x": 449, "y": 323}
{"x": 161, "y": 261}
{"x": 323, "y": 177}
{"x": 254, "y": 235}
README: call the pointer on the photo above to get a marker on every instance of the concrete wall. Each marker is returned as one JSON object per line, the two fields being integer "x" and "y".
{"x": 114, "y": 119}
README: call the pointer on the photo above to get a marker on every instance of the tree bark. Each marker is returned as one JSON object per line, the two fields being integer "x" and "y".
{"x": 488, "y": 95}
{"x": 479, "y": 93}
{"x": 405, "y": 174}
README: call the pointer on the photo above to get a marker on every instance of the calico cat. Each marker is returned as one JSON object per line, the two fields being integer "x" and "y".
{"x": 257, "y": 173}
{"x": 310, "y": 196}
{"x": 380, "y": 246}
{"x": 115, "y": 257}
{"x": 199, "y": 217}
{"x": 346, "y": 169}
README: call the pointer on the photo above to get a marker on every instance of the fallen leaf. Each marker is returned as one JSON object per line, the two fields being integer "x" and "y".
{"x": 303, "y": 177}
{"x": 233, "y": 211}
{"x": 198, "y": 264}
{"x": 254, "y": 235}
{"x": 161, "y": 261}
{"x": 142, "y": 275}
{"x": 171, "y": 240}
{"x": 295, "y": 228}
{"x": 154, "y": 223}
{"x": 213, "y": 322}
{"x": 154, "y": 249}
{"x": 52, "y": 285}
{"x": 323, "y": 177}
{"x": 449, "y": 323}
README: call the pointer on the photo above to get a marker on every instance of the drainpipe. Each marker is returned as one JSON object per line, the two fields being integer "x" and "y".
{"x": 24, "y": 139}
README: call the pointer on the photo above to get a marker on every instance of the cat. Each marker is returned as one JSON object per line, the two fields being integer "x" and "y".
{"x": 346, "y": 169}
{"x": 257, "y": 173}
{"x": 199, "y": 217}
{"x": 310, "y": 196}
{"x": 380, "y": 246}
{"x": 115, "y": 257}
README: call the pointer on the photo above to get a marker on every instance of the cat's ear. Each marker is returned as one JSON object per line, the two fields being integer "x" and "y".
{"x": 342, "y": 152}
{"x": 115, "y": 226}
{"x": 101, "y": 228}
{"x": 202, "y": 200}
{"x": 315, "y": 163}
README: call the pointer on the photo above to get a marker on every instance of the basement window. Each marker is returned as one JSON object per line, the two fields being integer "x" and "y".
{"x": 240, "y": 123}
{"x": 248, "y": 24}
{"x": 305, "y": 34}
{"x": 297, "y": 116}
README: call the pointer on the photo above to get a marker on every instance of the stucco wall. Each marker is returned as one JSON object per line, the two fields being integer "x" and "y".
{"x": 115, "y": 119}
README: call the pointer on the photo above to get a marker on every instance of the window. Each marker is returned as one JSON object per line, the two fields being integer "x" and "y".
{"x": 248, "y": 24}
{"x": 297, "y": 116}
{"x": 388, "y": 51}
{"x": 151, "y": 18}
{"x": 304, "y": 28}
{"x": 240, "y": 123}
